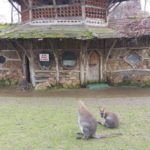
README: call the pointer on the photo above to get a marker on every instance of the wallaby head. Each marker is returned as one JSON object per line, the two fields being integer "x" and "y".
{"x": 102, "y": 112}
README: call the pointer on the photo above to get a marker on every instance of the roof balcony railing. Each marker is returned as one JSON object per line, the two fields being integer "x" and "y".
{"x": 91, "y": 12}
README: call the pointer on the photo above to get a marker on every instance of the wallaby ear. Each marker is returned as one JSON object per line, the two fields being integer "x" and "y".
{"x": 103, "y": 109}
{"x": 100, "y": 108}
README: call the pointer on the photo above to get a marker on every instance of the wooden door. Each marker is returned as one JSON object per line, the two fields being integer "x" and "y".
{"x": 94, "y": 67}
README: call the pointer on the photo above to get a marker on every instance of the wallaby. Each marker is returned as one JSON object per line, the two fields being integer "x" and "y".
{"x": 24, "y": 84}
{"x": 88, "y": 124}
{"x": 111, "y": 119}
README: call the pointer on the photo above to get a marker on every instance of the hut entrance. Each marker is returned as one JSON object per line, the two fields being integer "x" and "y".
{"x": 27, "y": 69}
{"x": 94, "y": 67}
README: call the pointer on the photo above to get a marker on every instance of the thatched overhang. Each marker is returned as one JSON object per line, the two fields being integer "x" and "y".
{"x": 75, "y": 32}
{"x": 120, "y": 29}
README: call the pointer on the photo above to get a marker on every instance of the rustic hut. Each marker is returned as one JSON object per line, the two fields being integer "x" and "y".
{"x": 70, "y": 43}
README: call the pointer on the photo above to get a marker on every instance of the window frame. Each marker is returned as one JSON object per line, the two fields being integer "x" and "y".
{"x": 69, "y": 67}
{"x": 131, "y": 64}
{"x": 5, "y": 59}
{"x": 51, "y": 59}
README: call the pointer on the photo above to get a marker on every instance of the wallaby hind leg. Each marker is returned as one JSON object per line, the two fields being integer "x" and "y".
{"x": 85, "y": 134}
{"x": 106, "y": 124}
{"x": 84, "y": 137}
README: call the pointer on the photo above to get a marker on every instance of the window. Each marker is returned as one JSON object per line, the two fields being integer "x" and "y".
{"x": 133, "y": 59}
{"x": 2, "y": 59}
{"x": 45, "y": 60}
{"x": 69, "y": 59}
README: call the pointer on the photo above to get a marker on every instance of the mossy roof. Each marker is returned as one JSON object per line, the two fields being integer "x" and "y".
{"x": 27, "y": 31}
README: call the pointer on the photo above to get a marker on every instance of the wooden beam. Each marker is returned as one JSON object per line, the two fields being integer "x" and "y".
{"x": 55, "y": 8}
{"x": 83, "y": 9}
{"x": 115, "y": 6}
{"x": 30, "y": 9}
{"x": 21, "y": 47}
{"x": 109, "y": 51}
{"x": 84, "y": 46}
{"x": 11, "y": 2}
{"x": 31, "y": 63}
{"x": 56, "y": 60}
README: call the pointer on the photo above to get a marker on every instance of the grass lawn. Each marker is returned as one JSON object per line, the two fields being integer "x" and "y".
{"x": 52, "y": 124}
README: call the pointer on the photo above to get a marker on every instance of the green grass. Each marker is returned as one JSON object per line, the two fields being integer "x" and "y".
{"x": 47, "y": 123}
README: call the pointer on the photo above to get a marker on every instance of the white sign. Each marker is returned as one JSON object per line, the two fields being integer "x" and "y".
{"x": 44, "y": 57}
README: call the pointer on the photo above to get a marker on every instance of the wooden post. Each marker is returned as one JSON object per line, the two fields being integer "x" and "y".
{"x": 11, "y": 2}
{"x": 55, "y": 7}
{"x": 109, "y": 51}
{"x": 84, "y": 46}
{"x": 30, "y": 10}
{"x": 83, "y": 10}
{"x": 56, "y": 60}
{"x": 31, "y": 60}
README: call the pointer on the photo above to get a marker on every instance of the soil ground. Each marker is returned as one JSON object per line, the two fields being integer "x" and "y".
{"x": 111, "y": 92}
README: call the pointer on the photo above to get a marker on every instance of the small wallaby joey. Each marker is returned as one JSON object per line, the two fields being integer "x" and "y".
{"x": 111, "y": 119}
{"x": 88, "y": 124}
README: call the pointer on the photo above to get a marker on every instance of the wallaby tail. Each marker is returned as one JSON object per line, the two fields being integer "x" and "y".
{"x": 98, "y": 136}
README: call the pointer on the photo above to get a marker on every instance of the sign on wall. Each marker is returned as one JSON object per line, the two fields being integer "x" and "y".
{"x": 44, "y": 57}
{"x": 45, "y": 60}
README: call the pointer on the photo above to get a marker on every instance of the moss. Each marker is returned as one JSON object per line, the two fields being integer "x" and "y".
{"x": 7, "y": 82}
{"x": 60, "y": 86}
{"x": 106, "y": 31}
{"x": 136, "y": 17}
{"x": 89, "y": 34}
{"x": 146, "y": 84}
{"x": 30, "y": 34}
{"x": 127, "y": 83}
{"x": 133, "y": 83}
{"x": 2, "y": 26}
{"x": 16, "y": 31}
{"x": 92, "y": 82}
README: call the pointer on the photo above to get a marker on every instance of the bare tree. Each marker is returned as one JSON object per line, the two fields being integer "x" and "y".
{"x": 12, "y": 14}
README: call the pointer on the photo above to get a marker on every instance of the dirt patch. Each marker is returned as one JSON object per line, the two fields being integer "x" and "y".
{"x": 111, "y": 92}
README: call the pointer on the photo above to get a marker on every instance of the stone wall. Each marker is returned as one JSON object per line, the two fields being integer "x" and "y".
{"x": 129, "y": 64}
{"x": 126, "y": 61}
{"x": 68, "y": 76}
{"x": 10, "y": 66}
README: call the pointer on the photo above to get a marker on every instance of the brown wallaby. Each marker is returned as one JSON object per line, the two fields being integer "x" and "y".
{"x": 111, "y": 119}
{"x": 88, "y": 124}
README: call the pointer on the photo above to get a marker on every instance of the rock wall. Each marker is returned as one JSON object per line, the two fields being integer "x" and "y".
{"x": 129, "y": 64}
{"x": 10, "y": 65}
{"x": 46, "y": 77}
